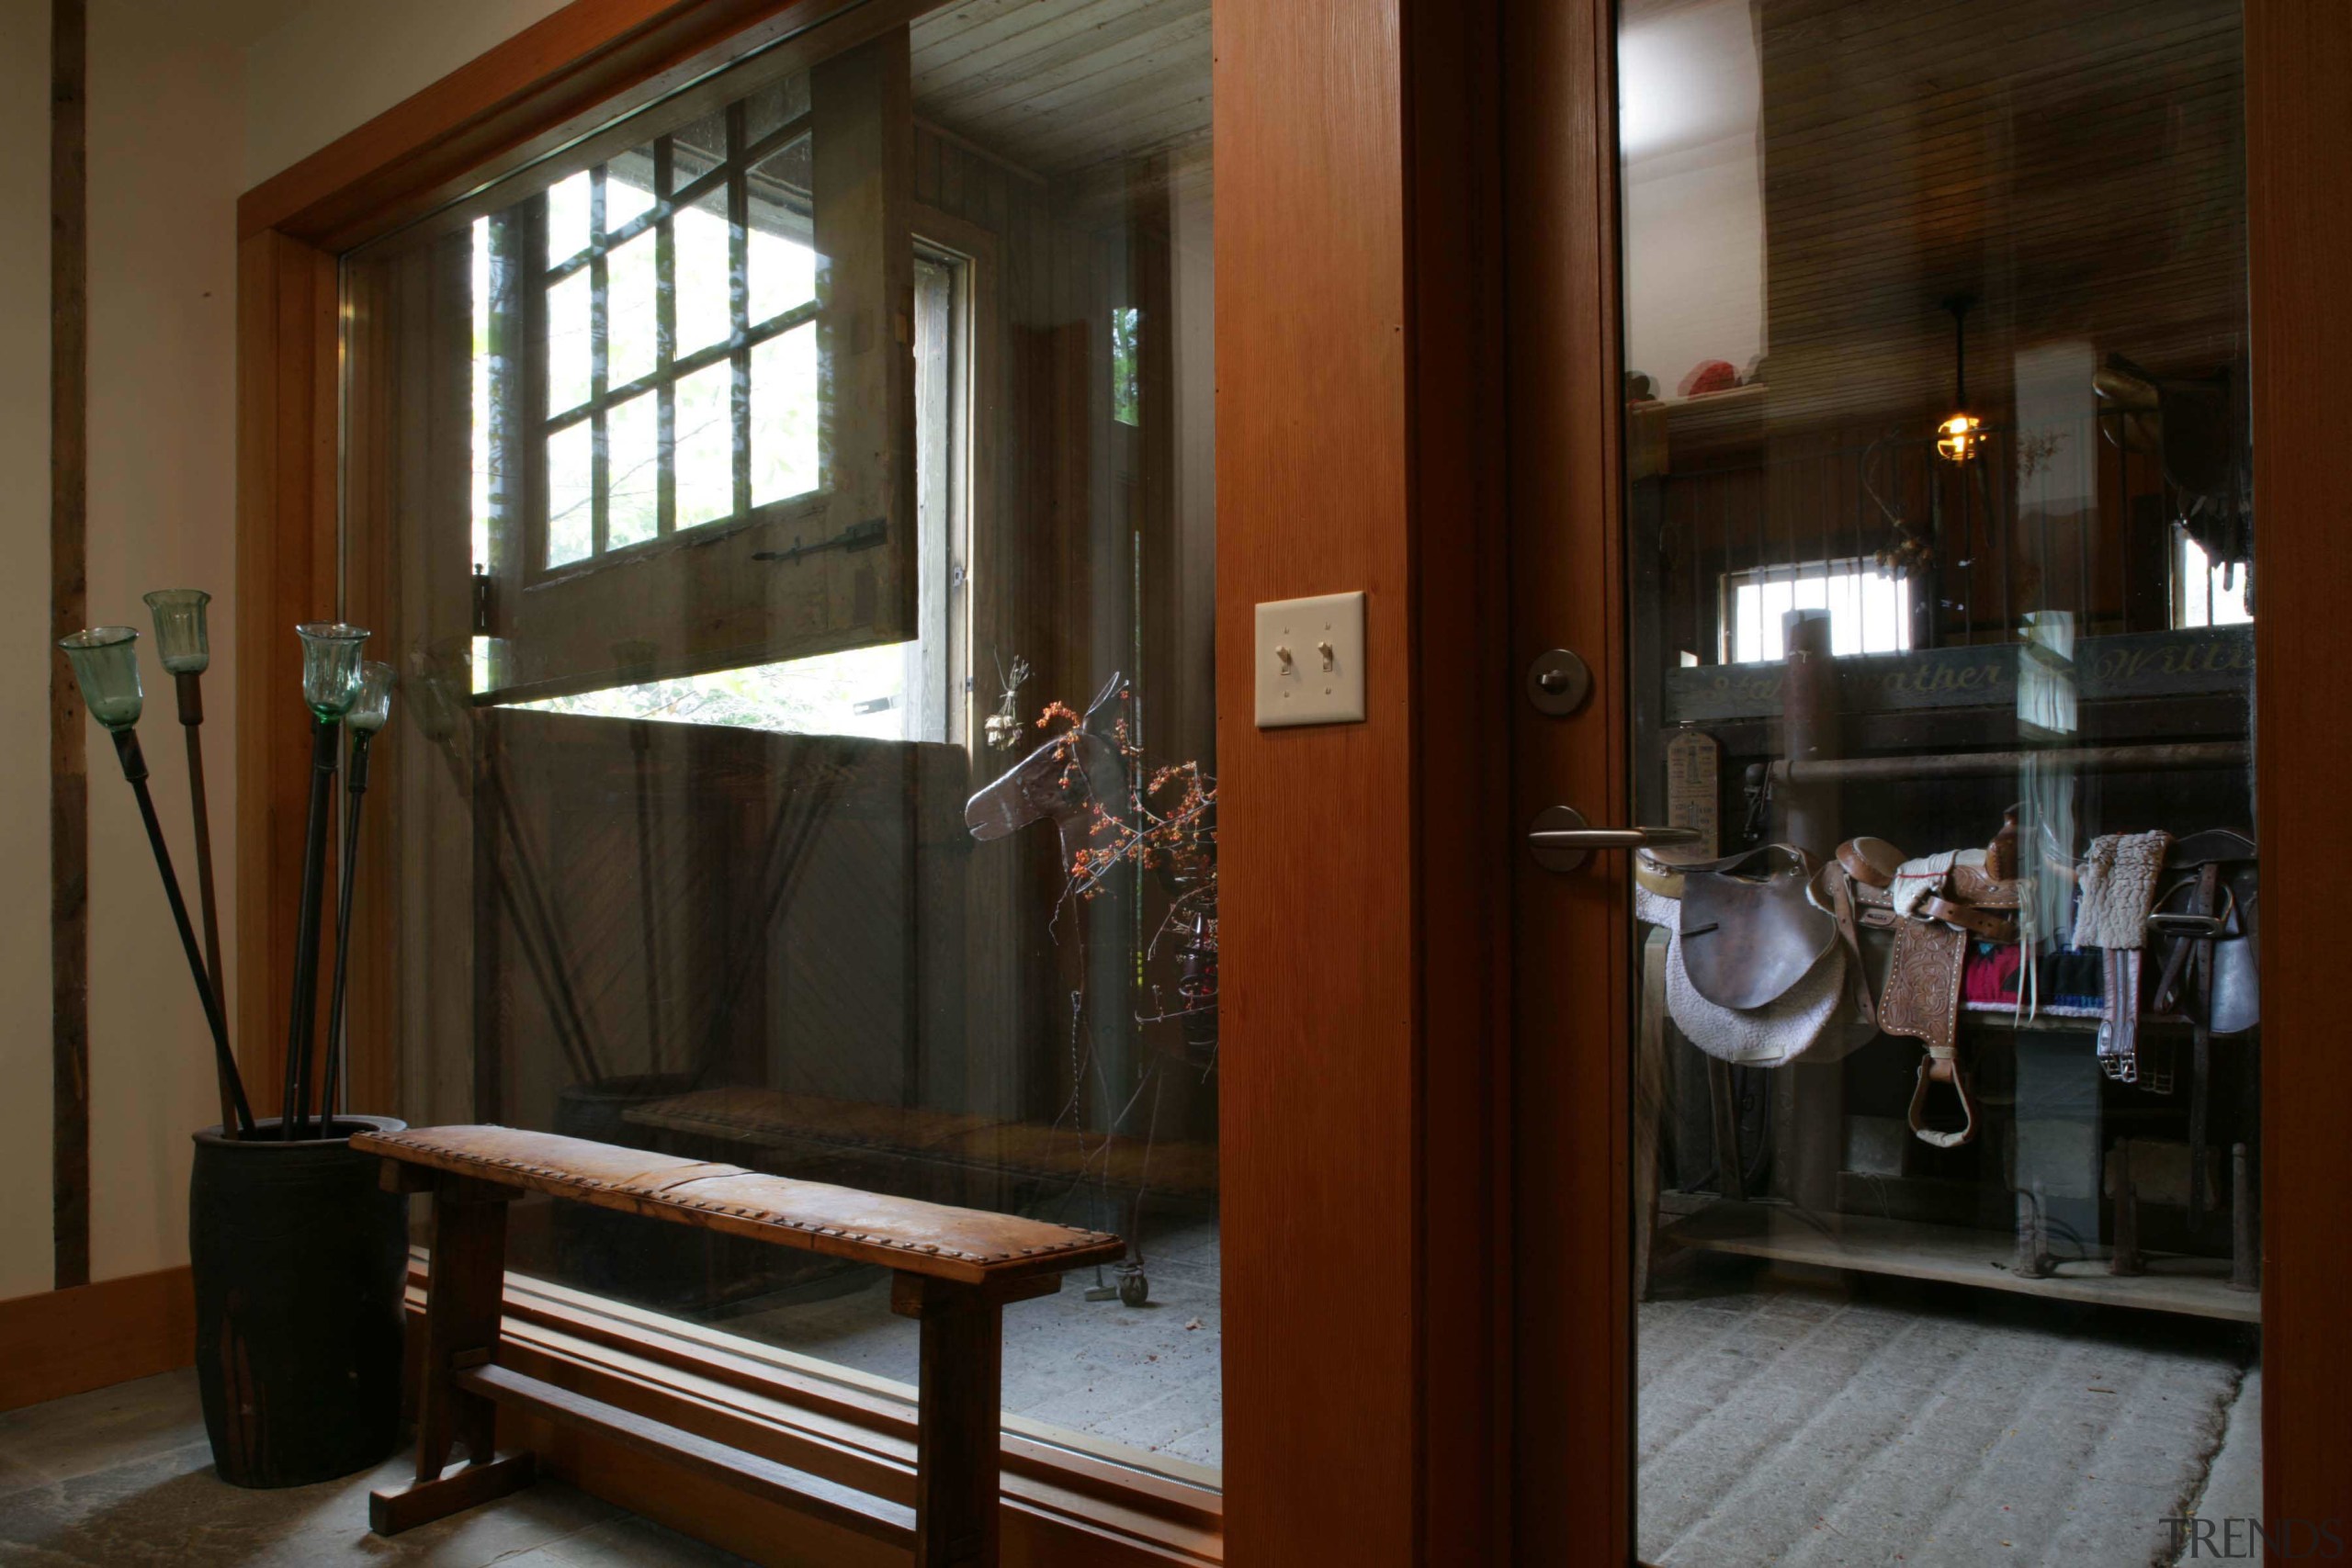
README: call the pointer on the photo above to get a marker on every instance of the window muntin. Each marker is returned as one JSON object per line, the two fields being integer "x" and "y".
{"x": 677, "y": 336}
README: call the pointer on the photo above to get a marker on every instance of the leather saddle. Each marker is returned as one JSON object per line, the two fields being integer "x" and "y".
{"x": 1749, "y": 931}
{"x": 2207, "y": 923}
{"x": 1937, "y": 906}
{"x": 1764, "y": 965}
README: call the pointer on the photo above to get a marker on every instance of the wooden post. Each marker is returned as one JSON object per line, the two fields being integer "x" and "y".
{"x": 463, "y": 1299}
{"x": 959, "y": 1390}
{"x": 1810, "y": 732}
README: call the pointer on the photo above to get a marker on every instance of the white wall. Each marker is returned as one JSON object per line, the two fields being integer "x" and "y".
{"x": 335, "y": 65}
{"x": 1692, "y": 94}
{"x": 189, "y": 106}
{"x": 24, "y": 1251}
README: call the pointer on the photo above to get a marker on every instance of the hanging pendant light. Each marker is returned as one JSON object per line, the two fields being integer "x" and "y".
{"x": 1960, "y": 437}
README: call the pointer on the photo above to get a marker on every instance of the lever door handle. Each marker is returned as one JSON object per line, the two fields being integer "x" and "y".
{"x": 1561, "y": 841}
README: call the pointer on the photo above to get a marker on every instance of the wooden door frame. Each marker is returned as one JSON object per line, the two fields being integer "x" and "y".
{"x": 1363, "y": 953}
{"x": 1573, "y": 1340}
{"x": 1364, "y": 959}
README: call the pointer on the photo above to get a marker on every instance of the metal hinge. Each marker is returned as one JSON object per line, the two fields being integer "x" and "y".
{"x": 481, "y": 602}
{"x": 857, "y": 537}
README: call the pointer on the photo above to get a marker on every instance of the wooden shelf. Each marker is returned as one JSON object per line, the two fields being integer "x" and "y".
{"x": 2198, "y": 1287}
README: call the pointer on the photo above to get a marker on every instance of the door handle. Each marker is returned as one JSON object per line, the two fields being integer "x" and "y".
{"x": 1561, "y": 841}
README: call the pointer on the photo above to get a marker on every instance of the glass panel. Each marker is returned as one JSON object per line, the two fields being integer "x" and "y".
{"x": 706, "y": 446}
{"x": 628, "y": 189}
{"x": 709, "y": 886}
{"x": 568, "y": 203}
{"x": 784, "y": 416}
{"x": 705, "y": 245}
{"x": 570, "y": 344}
{"x": 633, "y": 470}
{"x": 1939, "y": 507}
{"x": 632, "y": 322}
{"x": 783, "y": 259}
{"x": 572, "y": 495}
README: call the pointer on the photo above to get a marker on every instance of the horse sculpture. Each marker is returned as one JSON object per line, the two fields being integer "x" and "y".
{"x": 1065, "y": 779}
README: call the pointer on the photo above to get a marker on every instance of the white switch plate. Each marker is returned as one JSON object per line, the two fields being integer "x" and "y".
{"x": 1312, "y": 687}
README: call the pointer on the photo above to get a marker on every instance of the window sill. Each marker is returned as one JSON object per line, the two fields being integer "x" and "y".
{"x": 1062, "y": 1505}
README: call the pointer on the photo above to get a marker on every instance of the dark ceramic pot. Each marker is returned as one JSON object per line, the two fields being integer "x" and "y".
{"x": 300, "y": 1262}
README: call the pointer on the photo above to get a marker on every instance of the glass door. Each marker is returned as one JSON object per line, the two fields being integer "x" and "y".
{"x": 1936, "y": 504}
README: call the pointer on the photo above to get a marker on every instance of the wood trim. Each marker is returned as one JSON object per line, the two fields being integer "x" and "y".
{"x": 2299, "y": 158}
{"x": 1574, "y": 1339}
{"x": 62, "y": 1342}
{"x": 1461, "y": 839}
{"x": 69, "y": 759}
{"x": 286, "y": 573}
{"x": 554, "y": 81}
{"x": 534, "y": 94}
{"x": 848, "y": 1428}
{"x": 1572, "y": 1285}
{"x": 1360, "y": 932}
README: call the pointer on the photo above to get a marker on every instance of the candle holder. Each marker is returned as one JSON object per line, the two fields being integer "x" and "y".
{"x": 106, "y": 667}
{"x": 184, "y": 645}
{"x": 330, "y": 684}
{"x": 369, "y": 710}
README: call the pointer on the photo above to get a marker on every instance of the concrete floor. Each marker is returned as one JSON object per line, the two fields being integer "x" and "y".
{"x": 1141, "y": 1380}
{"x": 1790, "y": 1420}
{"x": 124, "y": 1477}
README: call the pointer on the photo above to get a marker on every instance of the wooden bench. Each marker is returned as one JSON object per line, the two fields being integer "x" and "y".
{"x": 952, "y": 1269}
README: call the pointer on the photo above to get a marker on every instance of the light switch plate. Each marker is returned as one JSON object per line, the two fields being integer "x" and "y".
{"x": 1322, "y": 680}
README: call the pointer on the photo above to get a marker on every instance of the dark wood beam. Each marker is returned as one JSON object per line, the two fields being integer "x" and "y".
{"x": 69, "y": 777}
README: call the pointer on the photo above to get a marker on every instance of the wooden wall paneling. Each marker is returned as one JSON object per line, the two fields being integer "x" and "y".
{"x": 2299, "y": 55}
{"x": 1572, "y": 1341}
{"x": 68, "y": 740}
{"x": 77, "y": 1338}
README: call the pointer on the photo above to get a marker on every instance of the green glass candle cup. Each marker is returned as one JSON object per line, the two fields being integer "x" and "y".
{"x": 181, "y": 639}
{"x": 106, "y": 664}
{"x": 329, "y": 667}
{"x": 373, "y": 707}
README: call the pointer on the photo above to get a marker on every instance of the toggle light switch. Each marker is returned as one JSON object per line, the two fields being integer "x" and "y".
{"x": 1328, "y": 686}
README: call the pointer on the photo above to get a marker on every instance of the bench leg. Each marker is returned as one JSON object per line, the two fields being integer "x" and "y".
{"x": 463, "y": 1290}
{"x": 956, "y": 1444}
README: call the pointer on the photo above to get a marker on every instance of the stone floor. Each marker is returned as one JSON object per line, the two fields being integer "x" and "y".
{"x": 1784, "y": 1418}
{"x": 1791, "y": 1420}
{"x": 123, "y": 1477}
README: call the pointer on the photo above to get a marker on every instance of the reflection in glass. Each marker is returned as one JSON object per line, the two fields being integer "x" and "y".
{"x": 684, "y": 857}
{"x": 1939, "y": 497}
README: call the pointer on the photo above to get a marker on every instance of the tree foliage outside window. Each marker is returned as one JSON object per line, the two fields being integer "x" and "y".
{"x": 1125, "y": 405}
